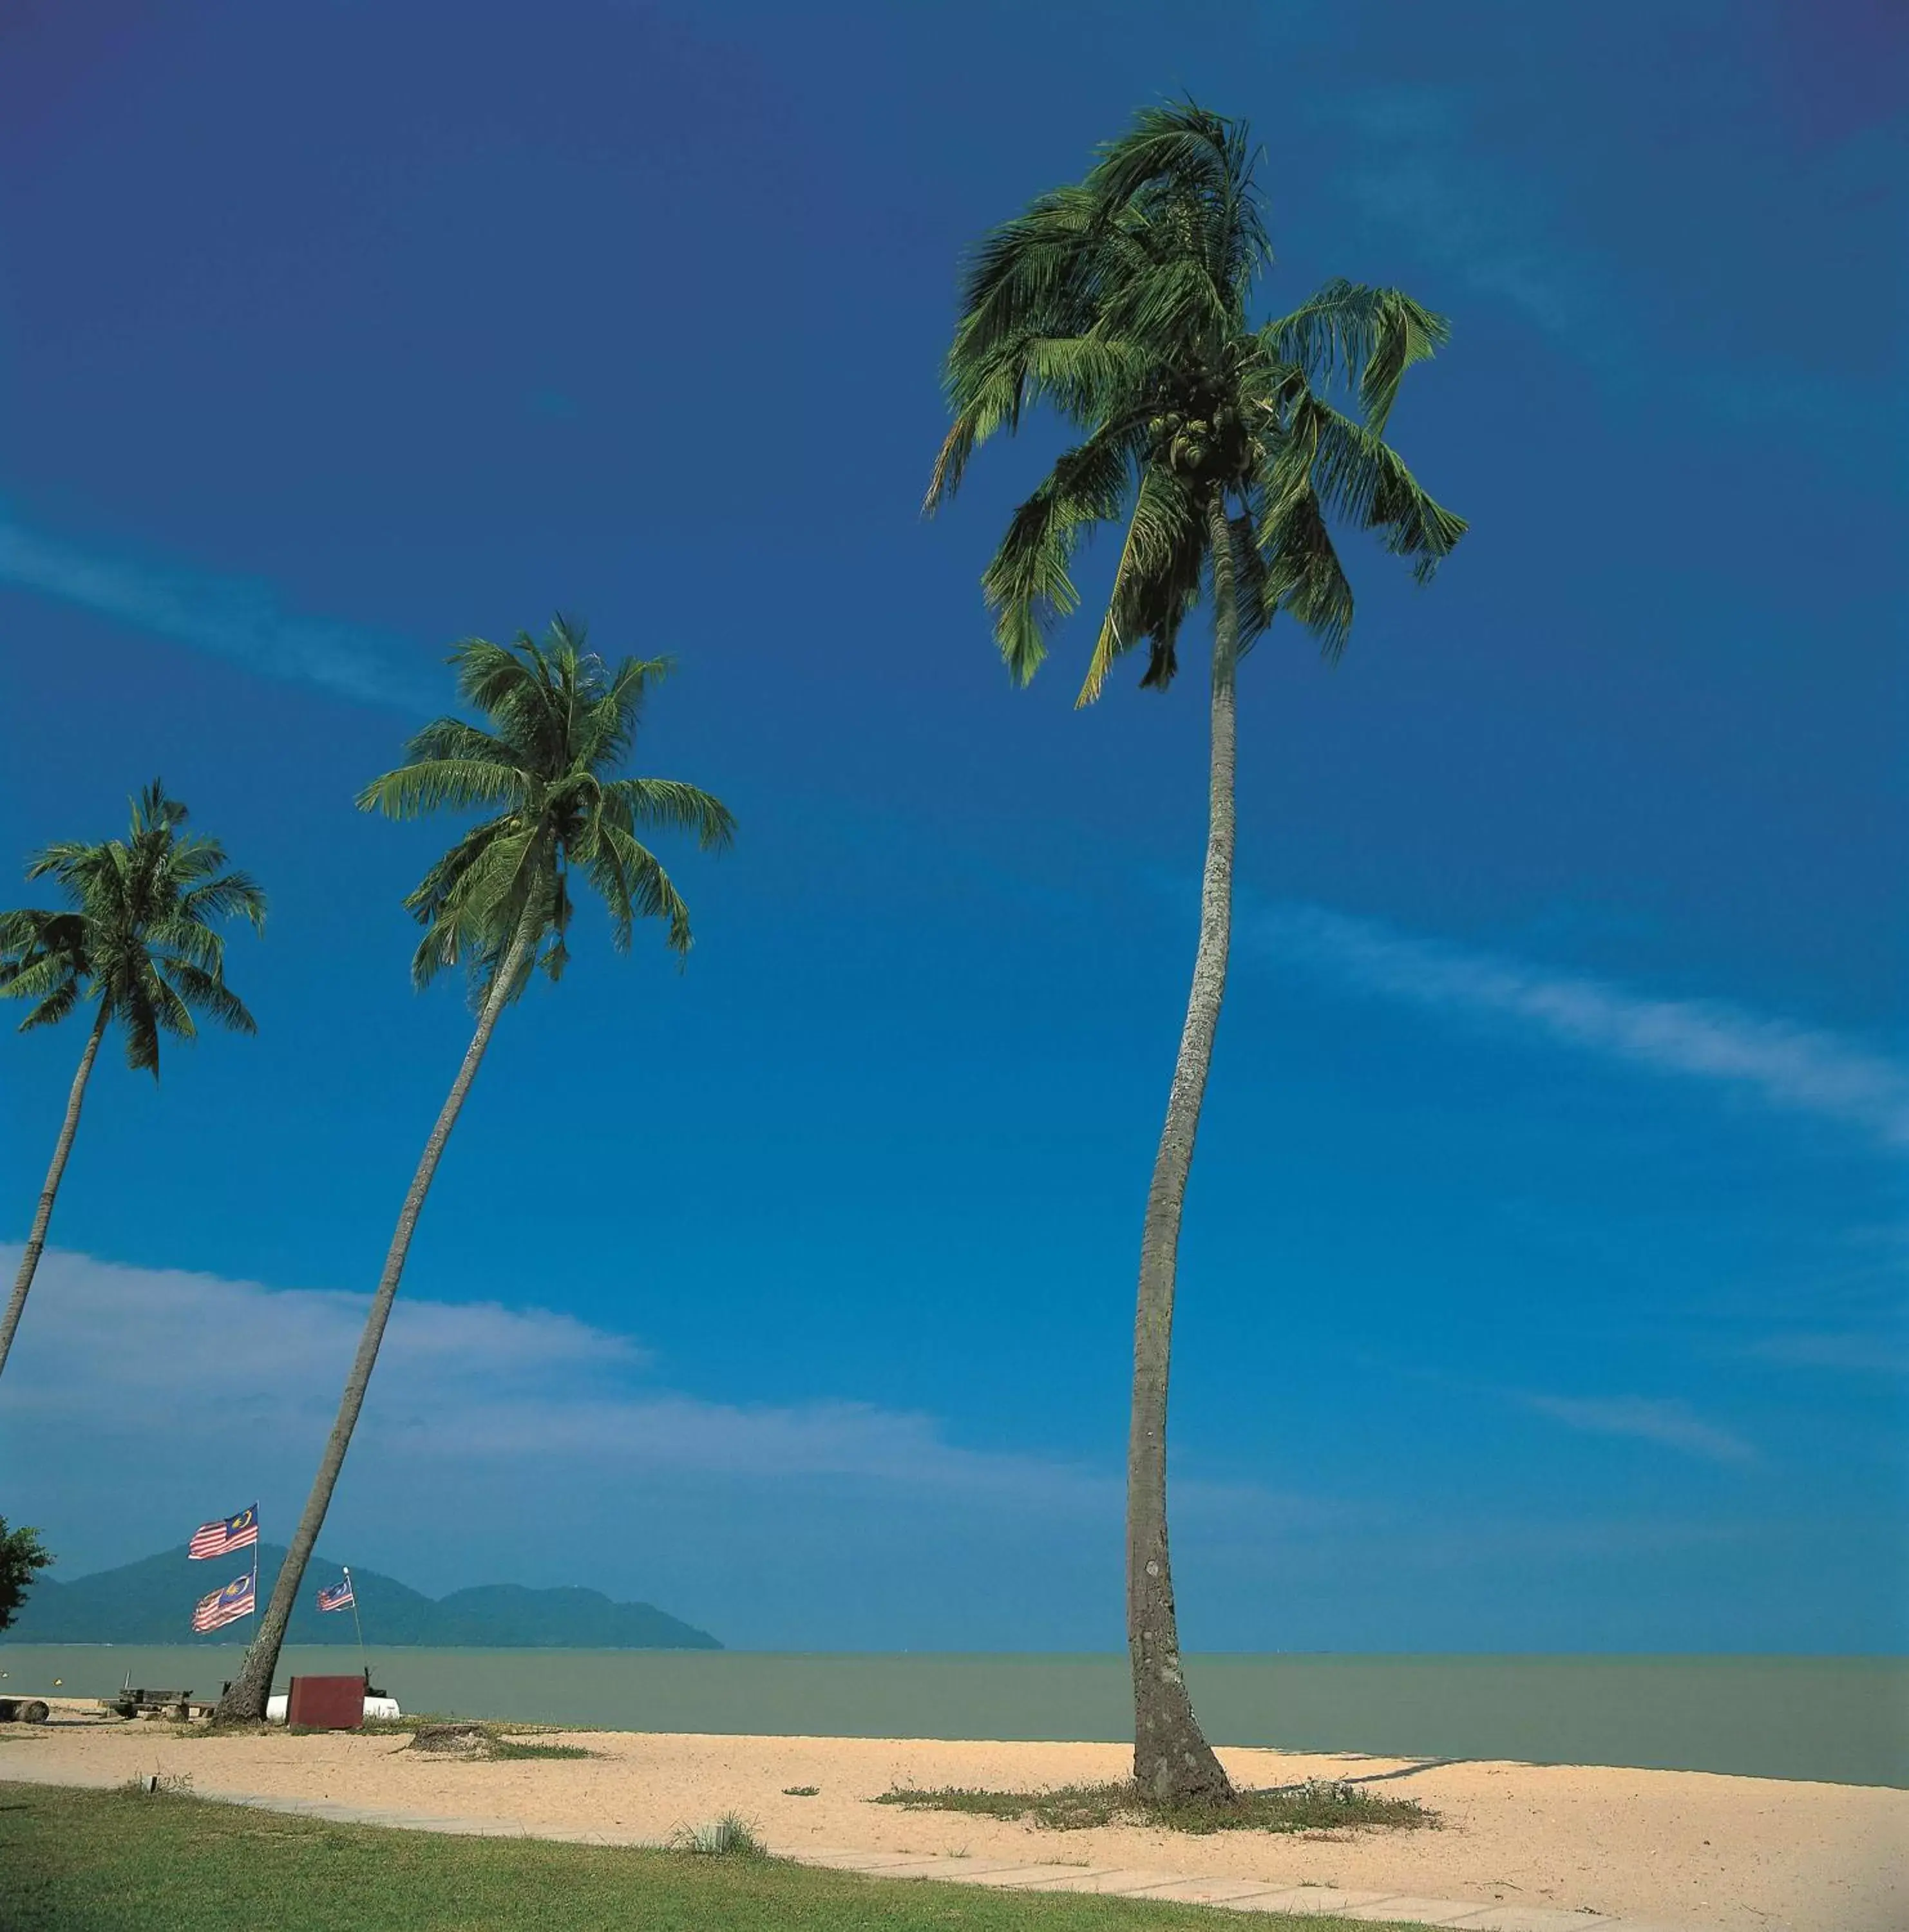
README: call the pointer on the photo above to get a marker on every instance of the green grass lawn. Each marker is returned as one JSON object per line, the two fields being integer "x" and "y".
{"x": 122, "y": 1861}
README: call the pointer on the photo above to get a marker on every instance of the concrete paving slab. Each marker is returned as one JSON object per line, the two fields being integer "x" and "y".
{"x": 956, "y": 1871}
{"x": 1597, "y": 1924}
{"x": 869, "y": 1861}
{"x": 1408, "y": 1908}
{"x": 1311, "y": 1901}
{"x": 1203, "y": 1891}
{"x": 1036, "y": 1876}
{"x": 1534, "y": 1918}
{"x": 1136, "y": 1881}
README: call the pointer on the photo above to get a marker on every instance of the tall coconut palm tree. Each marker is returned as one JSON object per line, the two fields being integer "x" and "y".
{"x": 140, "y": 940}
{"x": 560, "y": 722}
{"x": 1227, "y": 449}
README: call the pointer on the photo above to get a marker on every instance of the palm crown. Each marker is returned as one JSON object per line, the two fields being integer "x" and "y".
{"x": 141, "y": 936}
{"x": 560, "y": 723}
{"x": 1123, "y": 302}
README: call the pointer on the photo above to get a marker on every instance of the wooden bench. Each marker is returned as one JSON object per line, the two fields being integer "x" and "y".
{"x": 177, "y": 1705}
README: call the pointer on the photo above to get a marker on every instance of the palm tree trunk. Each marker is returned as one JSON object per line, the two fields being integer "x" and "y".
{"x": 244, "y": 1701}
{"x": 1171, "y": 1758}
{"x": 36, "y": 1240}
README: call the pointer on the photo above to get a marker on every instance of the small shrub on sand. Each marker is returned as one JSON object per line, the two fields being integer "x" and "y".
{"x": 802, "y": 1791}
{"x": 451, "y": 1741}
{"x": 409, "y": 1726}
{"x": 730, "y": 1836}
{"x": 1320, "y": 1804}
{"x": 475, "y": 1742}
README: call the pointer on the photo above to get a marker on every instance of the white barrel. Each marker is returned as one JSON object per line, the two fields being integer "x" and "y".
{"x": 374, "y": 1707}
{"x": 381, "y": 1707}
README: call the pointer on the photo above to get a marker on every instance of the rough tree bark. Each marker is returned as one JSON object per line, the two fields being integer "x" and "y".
{"x": 244, "y": 1701}
{"x": 1171, "y": 1758}
{"x": 36, "y": 1240}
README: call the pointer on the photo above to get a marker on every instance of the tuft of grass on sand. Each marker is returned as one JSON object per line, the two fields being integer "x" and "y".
{"x": 802, "y": 1791}
{"x": 406, "y": 1726}
{"x": 125, "y": 1861}
{"x": 731, "y": 1836}
{"x": 156, "y": 1784}
{"x": 480, "y": 1743}
{"x": 1320, "y": 1804}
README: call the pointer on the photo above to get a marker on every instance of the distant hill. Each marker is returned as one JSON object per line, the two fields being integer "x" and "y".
{"x": 150, "y": 1602}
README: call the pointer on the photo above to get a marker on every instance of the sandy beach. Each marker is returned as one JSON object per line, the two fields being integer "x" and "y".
{"x": 1683, "y": 1849}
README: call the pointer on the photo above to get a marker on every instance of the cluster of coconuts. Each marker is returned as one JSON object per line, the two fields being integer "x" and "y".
{"x": 1212, "y": 444}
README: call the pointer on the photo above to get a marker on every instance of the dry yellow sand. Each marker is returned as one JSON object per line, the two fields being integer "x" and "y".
{"x": 1681, "y": 1849}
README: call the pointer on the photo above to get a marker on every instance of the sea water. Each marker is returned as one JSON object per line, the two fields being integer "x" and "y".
{"x": 1842, "y": 1720}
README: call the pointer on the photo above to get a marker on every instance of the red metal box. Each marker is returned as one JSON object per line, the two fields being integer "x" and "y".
{"x": 328, "y": 1703}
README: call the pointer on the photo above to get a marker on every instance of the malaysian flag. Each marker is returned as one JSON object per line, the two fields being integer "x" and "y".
{"x": 228, "y": 1534}
{"x": 238, "y": 1599}
{"x": 338, "y": 1596}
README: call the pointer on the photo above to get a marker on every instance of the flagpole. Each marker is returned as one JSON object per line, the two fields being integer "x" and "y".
{"x": 258, "y": 1535}
{"x": 363, "y": 1659}
{"x": 252, "y": 1612}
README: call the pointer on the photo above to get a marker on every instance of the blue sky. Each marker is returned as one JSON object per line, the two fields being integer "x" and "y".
{"x": 1543, "y": 1282}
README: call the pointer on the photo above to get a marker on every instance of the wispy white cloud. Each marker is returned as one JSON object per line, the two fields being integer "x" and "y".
{"x": 1419, "y": 175}
{"x": 520, "y": 1442}
{"x": 473, "y": 1385}
{"x": 1804, "y": 1069}
{"x": 1423, "y": 174}
{"x": 1860, "y": 1352}
{"x": 507, "y": 1443}
{"x": 1668, "y": 1422}
{"x": 237, "y": 618}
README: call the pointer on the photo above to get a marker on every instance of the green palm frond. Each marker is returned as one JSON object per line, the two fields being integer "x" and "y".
{"x": 557, "y": 723}
{"x": 36, "y": 975}
{"x": 142, "y": 1035}
{"x": 1123, "y": 303}
{"x": 1163, "y": 538}
{"x": 68, "y": 862}
{"x": 667, "y": 805}
{"x": 1087, "y": 379}
{"x": 1027, "y": 583}
{"x": 187, "y": 939}
{"x": 207, "y": 993}
{"x": 1032, "y": 275}
{"x": 454, "y": 738}
{"x": 1182, "y": 154}
{"x": 60, "y": 1000}
{"x": 1304, "y": 577}
{"x": 1356, "y": 475}
{"x": 1254, "y": 599}
{"x": 1367, "y": 337}
{"x": 229, "y": 896}
{"x": 413, "y": 789}
{"x": 651, "y": 894}
{"x": 142, "y": 933}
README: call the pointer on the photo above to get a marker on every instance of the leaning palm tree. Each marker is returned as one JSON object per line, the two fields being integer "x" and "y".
{"x": 560, "y": 722}
{"x": 1124, "y": 303}
{"x": 138, "y": 938}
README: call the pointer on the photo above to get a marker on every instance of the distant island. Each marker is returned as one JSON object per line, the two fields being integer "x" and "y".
{"x": 150, "y": 1602}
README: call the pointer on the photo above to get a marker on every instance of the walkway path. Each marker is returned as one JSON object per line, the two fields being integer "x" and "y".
{"x": 1233, "y": 1894}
